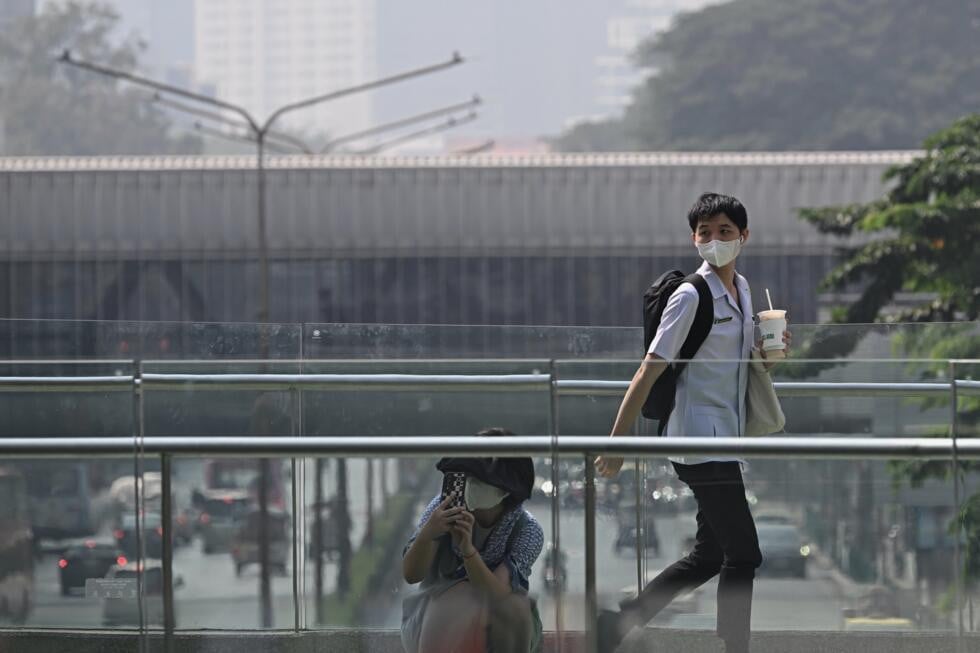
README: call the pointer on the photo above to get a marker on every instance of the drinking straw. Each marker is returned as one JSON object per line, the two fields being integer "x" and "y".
{"x": 769, "y": 297}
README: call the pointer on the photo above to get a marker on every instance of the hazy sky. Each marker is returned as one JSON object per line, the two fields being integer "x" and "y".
{"x": 533, "y": 61}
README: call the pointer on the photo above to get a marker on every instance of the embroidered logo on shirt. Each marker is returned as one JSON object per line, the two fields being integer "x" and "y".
{"x": 722, "y": 320}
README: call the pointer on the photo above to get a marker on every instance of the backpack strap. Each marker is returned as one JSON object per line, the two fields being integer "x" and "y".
{"x": 703, "y": 320}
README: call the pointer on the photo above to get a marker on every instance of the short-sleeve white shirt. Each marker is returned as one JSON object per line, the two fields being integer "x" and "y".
{"x": 710, "y": 397}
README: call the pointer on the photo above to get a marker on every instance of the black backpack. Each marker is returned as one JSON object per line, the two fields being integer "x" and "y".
{"x": 661, "y": 399}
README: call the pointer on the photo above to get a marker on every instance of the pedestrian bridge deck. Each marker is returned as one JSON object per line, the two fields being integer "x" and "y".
{"x": 649, "y": 640}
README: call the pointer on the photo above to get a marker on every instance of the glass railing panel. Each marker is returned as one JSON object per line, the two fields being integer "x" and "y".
{"x": 846, "y": 546}
{"x": 58, "y": 515}
{"x": 966, "y": 426}
{"x": 412, "y": 341}
{"x": 511, "y": 394}
{"x": 217, "y": 514}
{"x": 219, "y": 526}
{"x": 873, "y": 539}
{"x": 364, "y": 583}
{"x": 515, "y": 392}
{"x": 836, "y": 341}
{"x": 90, "y": 339}
{"x": 358, "y": 522}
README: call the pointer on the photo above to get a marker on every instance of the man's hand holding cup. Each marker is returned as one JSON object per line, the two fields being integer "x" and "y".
{"x": 776, "y": 339}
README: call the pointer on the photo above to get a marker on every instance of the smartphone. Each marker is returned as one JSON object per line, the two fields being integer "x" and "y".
{"x": 454, "y": 483}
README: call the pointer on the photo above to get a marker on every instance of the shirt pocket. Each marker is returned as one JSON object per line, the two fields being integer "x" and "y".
{"x": 706, "y": 421}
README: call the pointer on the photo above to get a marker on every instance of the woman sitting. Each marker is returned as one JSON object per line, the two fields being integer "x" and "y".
{"x": 473, "y": 562}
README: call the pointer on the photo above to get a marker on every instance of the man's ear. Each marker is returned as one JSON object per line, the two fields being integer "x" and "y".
{"x": 745, "y": 235}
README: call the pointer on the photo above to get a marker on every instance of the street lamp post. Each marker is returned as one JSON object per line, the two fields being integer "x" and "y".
{"x": 260, "y": 133}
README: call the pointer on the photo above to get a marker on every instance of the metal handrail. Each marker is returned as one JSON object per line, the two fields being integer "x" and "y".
{"x": 348, "y": 382}
{"x": 113, "y": 383}
{"x": 467, "y": 445}
{"x": 445, "y": 382}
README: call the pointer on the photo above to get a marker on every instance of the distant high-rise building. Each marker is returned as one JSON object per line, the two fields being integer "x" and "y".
{"x": 11, "y": 10}
{"x": 633, "y": 22}
{"x": 263, "y": 54}
{"x": 541, "y": 65}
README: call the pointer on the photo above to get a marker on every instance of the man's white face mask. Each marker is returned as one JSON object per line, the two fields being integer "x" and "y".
{"x": 480, "y": 496}
{"x": 720, "y": 253}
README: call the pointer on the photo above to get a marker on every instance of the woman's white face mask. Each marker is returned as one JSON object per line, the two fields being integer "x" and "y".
{"x": 720, "y": 253}
{"x": 480, "y": 496}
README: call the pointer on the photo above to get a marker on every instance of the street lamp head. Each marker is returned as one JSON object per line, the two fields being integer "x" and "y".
{"x": 65, "y": 56}
{"x": 457, "y": 57}
{"x": 477, "y": 99}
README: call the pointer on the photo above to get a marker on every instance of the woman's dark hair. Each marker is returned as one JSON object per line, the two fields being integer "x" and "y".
{"x": 711, "y": 204}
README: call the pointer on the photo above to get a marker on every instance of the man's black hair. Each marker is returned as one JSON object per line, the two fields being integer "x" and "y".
{"x": 711, "y": 204}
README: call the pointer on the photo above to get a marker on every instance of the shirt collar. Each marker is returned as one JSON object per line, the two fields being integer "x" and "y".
{"x": 715, "y": 283}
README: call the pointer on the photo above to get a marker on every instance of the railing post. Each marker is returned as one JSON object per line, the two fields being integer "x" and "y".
{"x": 957, "y": 531}
{"x": 591, "y": 599}
{"x": 555, "y": 506}
{"x": 166, "y": 520}
{"x": 140, "y": 491}
{"x": 298, "y": 525}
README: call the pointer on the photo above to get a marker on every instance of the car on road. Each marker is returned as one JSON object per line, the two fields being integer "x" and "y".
{"x": 876, "y": 610}
{"x": 125, "y": 610}
{"x": 772, "y": 517}
{"x": 88, "y": 558}
{"x": 220, "y": 517}
{"x": 783, "y": 550}
{"x": 152, "y": 529}
{"x": 244, "y": 543}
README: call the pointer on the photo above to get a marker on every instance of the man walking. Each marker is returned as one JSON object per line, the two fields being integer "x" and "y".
{"x": 709, "y": 401}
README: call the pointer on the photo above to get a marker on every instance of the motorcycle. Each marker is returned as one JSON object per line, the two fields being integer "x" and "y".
{"x": 555, "y": 574}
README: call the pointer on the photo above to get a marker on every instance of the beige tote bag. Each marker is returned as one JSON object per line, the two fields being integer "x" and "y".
{"x": 763, "y": 414}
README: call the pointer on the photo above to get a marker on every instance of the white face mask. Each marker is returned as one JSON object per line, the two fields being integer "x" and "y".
{"x": 480, "y": 496}
{"x": 720, "y": 253}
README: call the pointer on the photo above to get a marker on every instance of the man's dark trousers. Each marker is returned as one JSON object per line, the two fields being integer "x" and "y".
{"x": 726, "y": 544}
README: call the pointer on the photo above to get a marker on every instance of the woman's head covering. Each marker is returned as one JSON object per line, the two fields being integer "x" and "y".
{"x": 513, "y": 475}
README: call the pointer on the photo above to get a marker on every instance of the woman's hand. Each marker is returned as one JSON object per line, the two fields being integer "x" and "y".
{"x": 462, "y": 532}
{"x": 441, "y": 520}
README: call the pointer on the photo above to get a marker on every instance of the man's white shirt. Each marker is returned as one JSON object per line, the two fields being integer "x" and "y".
{"x": 710, "y": 397}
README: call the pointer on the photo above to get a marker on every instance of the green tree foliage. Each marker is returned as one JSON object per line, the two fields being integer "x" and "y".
{"x": 924, "y": 237}
{"x": 803, "y": 74}
{"x": 47, "y": 108}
